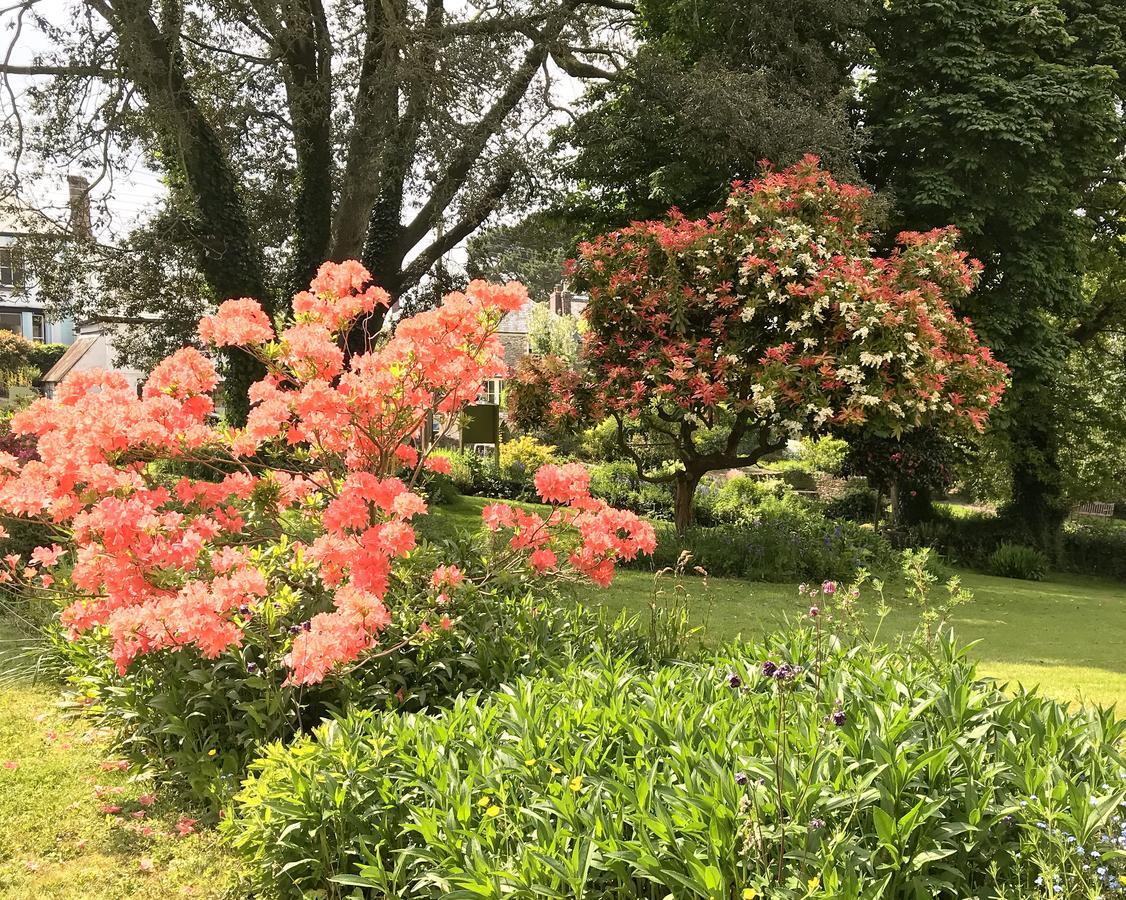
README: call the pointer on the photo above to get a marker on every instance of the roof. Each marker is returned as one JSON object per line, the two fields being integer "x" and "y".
{"x": 517, "y": 321}
{"x": 69, "y": 360}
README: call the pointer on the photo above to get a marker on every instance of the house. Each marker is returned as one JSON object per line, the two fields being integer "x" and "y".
{"x": 92, "y": 349}
{"x": 482, "y": 424}
{"x": 515, "y": 332}
{"x": 89, "y": 344}
{"x": 20, "y": 310}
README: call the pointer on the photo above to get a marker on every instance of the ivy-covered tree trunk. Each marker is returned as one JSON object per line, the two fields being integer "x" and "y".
{"x": 1038, "y": 506}
{"x": 198, "y": 170}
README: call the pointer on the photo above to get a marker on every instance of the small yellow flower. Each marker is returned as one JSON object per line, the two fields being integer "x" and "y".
{"x": 749, "y": 894}
{"x": 814, "y": 883}
{"x": 211, "y": 752}
{"x": 493, "y": 811}
{"x": 484, "y": 801}
{"x": 577, "y": 783}
{"x": 530, "y": 761}
{"x": 555, "y": 770}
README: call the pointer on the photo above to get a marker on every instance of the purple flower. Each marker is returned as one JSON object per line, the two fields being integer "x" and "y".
{"x": 814, "y": 612}
{"x": 838, "y": 717}
{"x": 829, "y": 587}
{"x": 785, "y": 672}
{"x": 733, "y": 680}
{"x": 769, "y": 668}
{"x": 741, "y": 778}
{"x": 307, "y": 626}
{"x": 244, "y": 610}
{"x": 251, "y": 668}
{"x": 816, "y": 824}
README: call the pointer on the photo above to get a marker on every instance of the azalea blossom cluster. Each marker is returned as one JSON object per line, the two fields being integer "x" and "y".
{"x": 777, "y": 311}
{"x": 606, "y": 534}
{"x": 162, "y": 512}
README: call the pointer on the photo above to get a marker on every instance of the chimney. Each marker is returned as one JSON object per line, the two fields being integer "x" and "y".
{"x": 561, "y": 301}
{"x": 80, "y": 225}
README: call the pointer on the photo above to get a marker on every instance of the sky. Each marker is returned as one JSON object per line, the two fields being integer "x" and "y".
{"x": 128, "y": 198}
{"x": 135, "y": 193}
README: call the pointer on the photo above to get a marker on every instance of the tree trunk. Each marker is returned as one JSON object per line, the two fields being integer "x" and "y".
{"x": 685, "y": 493}
{"x": 1038, "y": 505}
{"x": 200, "y": 173}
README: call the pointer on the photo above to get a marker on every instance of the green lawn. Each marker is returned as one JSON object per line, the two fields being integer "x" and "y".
{"x": 58, "y": 838}
{"x": 1066, "y": 634}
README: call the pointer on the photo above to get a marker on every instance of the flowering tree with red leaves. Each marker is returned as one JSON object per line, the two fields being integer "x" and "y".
{"x": 713, "y": 341}
{"x": 164, "y": 518}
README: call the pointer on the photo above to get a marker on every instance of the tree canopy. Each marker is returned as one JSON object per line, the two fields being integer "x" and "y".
{"x": 714, "y": 341}
{"x": 291, "y": 132}
{"x": 1005, "y": 118}
{"x": 715, "y": 89}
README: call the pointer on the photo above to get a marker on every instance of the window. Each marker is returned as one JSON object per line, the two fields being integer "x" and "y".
{"x": 38, "y": 329}
{"x": 490, "y": 392}
{"x": 11, "y": 321}
{"x": 11, "y": 267}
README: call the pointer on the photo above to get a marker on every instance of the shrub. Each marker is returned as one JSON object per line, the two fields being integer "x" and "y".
{"x": 782, "y": 540}
{"x": 618, "y": 484}
{"x": 1095, "y": 548}
{"x": 599, "y": 443}
{"x": 521, "y": 457}
{"x": 858, "y": 504}
{"x": 1018, "y": 561}
{"x": 480, "y": 476}
{"x": 796, "y": 473}
{"x": 965, "y": 539}
{"x": 284, "y": 549}
{"x": 877, "y": 773}
{"x": 824, "y": 454}
{"x": 198, "y": 722}
{"x": 736, "y": 499}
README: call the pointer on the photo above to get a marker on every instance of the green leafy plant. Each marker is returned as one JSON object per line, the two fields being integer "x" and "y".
{"x": 522, "y": 456}
{"x": 1018, "y": 561}
{"x": 754, "y": 773}
{"x": 781, "y": 539}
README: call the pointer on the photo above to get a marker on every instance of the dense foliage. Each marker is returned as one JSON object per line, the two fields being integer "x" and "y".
{"x": 799, "y": 767}
{"x": 177, "y": 532}
{"x": 777, "y": 542}
{"x": 714, "y": 341}
{"x": 1018, "y": 561}
{"x": 1007, "y": 120}
{"x": 713, "y": 89}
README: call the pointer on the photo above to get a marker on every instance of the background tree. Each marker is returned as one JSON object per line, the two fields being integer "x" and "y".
{"x": 531, "y": 251}
{"x": 290, "y": 132}
{"x": 908, "y": 470}
{"x": 715, "y": 88}
{"x": 714, "y": 341}
{"x": 1005, "y": 118}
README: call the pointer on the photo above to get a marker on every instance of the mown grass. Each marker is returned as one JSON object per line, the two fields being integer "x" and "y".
{"x": 1066, "y": 635}
{"x": 57, "y": 840}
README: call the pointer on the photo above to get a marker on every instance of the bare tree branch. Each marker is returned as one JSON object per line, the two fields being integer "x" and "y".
{"x": 79, "y": 71}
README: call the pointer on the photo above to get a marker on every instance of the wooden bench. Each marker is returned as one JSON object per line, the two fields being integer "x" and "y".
{"x": 1094, "y": 508}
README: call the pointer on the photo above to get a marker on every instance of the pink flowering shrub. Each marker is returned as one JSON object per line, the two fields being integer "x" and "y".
{"x": 163, "y": 516}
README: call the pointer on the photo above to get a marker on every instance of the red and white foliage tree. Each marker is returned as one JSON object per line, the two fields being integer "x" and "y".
{"x": 712, "y": 342}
